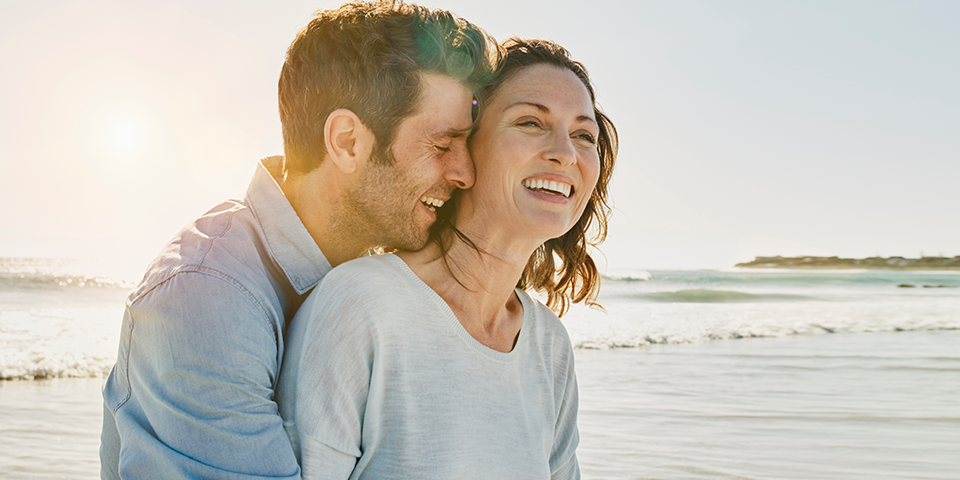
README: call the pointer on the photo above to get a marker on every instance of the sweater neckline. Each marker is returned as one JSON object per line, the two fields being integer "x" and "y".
{"x": 454, "y": 322}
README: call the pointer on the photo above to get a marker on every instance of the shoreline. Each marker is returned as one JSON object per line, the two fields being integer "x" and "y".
{"x": 844, "y": 267}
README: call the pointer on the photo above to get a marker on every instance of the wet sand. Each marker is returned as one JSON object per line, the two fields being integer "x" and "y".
{"x": 837, "y": 407}
{"x": 50, "y": 428}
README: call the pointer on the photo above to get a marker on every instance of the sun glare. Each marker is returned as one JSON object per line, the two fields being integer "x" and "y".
{"x": 125, "y": 137}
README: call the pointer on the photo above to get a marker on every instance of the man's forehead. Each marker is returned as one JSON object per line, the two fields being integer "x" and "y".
{"x": 446, "y": 121}
{"x": 444, "y": 109}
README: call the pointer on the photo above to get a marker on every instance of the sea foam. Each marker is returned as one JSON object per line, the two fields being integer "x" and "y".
{"x": 59, "y": 342}
{"x": 639, "y": 323}
{"x": 59, "y": 317}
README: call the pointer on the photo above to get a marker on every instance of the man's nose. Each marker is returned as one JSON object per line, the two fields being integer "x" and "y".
{"x": 459, "y": 170}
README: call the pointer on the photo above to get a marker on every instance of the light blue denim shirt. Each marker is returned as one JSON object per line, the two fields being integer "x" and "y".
{"x": 192, "y": 393}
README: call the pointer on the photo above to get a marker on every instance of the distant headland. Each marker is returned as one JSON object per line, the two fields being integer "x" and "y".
{"x": 876, "y": 263}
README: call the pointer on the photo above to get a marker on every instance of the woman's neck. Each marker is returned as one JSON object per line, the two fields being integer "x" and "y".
{"x": 478, "y": 284}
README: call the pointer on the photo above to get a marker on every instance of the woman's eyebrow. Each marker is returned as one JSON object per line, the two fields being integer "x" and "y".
{"x": 585, "y": 118}
{"x": 544, "y": 109}
{"x": 538, "y": 106}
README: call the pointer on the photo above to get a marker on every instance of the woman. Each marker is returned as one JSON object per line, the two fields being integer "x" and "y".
{"x": 436, "y": 363}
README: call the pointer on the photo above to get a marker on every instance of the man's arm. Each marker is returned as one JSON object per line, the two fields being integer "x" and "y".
{"x": 198, "y": 362}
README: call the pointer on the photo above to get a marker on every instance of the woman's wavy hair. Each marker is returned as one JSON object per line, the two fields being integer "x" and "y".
{"x": 562, "y": 267}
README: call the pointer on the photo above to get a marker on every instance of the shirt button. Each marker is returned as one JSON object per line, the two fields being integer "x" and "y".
{"x": 297, "y": 281}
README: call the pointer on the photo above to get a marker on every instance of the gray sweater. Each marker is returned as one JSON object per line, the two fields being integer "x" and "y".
{"x": 380, "y": 380}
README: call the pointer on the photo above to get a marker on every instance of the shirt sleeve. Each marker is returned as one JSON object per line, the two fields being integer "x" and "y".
{"x": 199, "y": 368}
{"x": 563, "y": 458}
{"x": 333, "y": 378}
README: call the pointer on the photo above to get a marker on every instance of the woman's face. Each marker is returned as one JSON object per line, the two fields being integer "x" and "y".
{"x": 535, "y": 153}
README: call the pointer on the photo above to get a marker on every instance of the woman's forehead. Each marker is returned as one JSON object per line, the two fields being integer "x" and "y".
{"x": 545, "y": 87}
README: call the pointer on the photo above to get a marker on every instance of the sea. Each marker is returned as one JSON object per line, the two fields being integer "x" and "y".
{"x": 686, "y": 374}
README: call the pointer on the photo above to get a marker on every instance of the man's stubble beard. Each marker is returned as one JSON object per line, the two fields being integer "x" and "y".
{"x": 379, "y": 208}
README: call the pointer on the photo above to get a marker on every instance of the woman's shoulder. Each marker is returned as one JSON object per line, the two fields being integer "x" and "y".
{"x": 369, "y": 264}
{"x": 365, "y": 273}
{"x": 362, "y": 295}
{"x": 543, "y": 320}
{"x": 362, "y": 282}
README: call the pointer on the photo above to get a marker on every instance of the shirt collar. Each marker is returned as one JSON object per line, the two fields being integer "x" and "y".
{"x": 288, "y": 241}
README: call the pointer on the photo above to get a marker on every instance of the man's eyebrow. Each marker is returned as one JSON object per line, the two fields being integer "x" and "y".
{"x": 455, "y": 132}
{"x": 544, "y": 109}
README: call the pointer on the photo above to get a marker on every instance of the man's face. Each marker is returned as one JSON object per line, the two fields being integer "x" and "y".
{"x": 396, "y": 203}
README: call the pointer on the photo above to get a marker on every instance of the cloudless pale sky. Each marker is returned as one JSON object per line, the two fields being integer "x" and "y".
{"x": 747, "y": 127}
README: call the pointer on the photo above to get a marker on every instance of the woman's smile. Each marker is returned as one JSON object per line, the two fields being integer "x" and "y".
{"x": 550, "y": 187}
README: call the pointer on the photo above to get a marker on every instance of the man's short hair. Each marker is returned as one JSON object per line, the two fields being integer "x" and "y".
{"x": 368, "y": 57}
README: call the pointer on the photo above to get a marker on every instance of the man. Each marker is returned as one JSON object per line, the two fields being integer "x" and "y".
{"x": 375, "y": 102}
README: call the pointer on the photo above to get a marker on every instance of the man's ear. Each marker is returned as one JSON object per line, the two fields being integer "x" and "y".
{"x": 348, "y": 141}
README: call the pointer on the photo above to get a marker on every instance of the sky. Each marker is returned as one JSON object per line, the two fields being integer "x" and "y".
{"x": 747, "y": 128}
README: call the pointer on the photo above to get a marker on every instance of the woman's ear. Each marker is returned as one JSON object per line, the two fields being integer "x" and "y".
{"x": 348, "y": 141}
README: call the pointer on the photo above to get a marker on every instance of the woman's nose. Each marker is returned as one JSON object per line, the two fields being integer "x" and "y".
{"x": 561, "y": 149}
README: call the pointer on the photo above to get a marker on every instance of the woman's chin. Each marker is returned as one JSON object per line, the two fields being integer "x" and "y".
{"x": 547, "y": 227}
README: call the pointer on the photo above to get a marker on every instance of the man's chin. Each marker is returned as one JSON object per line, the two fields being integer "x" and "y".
{"x": 418, "y": 245}
{"x": 411, "y": 242}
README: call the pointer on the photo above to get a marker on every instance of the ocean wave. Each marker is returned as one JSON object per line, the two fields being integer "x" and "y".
{"x": 715, "y": 296}
{"x": 69, "y": 332}
{"x": 48, "y": 280}
{"x": 627, "y": 324}
{"x": 57, "y": 273}
{"x": 59, "y": 342}
{"x": 791, "y": 279}
{"x": 40, "y": 363}
{"x": 627, "y": 275}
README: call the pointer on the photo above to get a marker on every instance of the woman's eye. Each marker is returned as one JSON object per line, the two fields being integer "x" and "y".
{"x": 588, "y": 138}
{"x": 528, "y": 123}
{"x": 441, "y": 149}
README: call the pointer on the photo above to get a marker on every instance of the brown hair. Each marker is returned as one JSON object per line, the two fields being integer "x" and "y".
{"x": 576, "y": 278}
{"x": 368, "y": 57}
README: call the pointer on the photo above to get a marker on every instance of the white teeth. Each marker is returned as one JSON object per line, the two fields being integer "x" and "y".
{"x": 548, "y": 185}
{"x": 432, "y": 203}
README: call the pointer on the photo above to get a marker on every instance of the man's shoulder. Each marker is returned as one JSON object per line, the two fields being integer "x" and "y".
{"x": 225, "y": 243}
